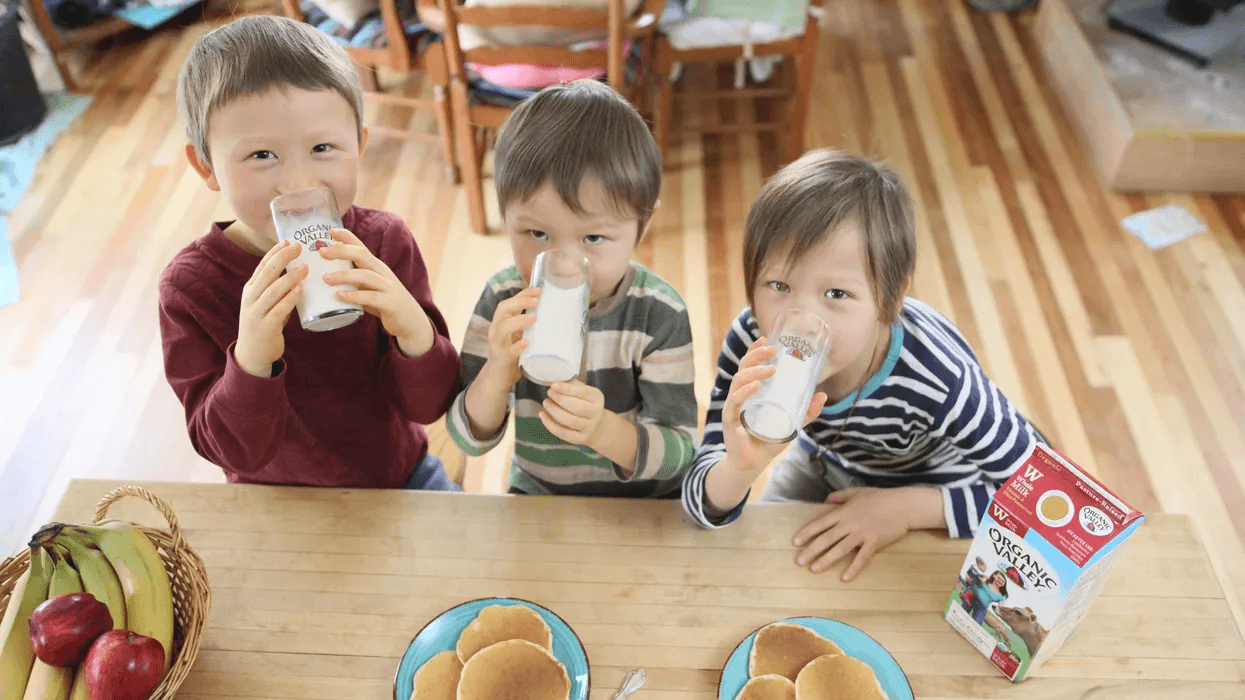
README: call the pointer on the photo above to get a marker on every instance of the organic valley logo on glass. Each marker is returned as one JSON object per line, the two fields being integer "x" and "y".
{"x": 315, "y": 236}
{"x": 1044, "y": 547}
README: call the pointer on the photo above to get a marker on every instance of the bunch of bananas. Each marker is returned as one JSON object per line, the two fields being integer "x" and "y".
{"x": 112, "y": 561}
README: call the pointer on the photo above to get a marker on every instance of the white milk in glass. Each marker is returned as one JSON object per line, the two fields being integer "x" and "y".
{"x": 555, "y": 347}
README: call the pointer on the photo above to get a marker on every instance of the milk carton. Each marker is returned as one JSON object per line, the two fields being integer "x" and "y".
{"x": 1047, "y": 542}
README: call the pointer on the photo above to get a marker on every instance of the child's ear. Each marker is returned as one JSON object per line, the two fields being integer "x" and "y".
{"x": 202, "y": 167}
{"x": 362, "y": 139}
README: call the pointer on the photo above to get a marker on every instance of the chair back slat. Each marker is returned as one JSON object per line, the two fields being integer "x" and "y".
{"x": 539, "y": 16}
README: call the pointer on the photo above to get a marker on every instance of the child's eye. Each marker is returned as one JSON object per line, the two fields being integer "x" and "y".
{"x": 777, "y": 286}
{"x": 538, "y": 235}
{"x": 594, "y": 239}
{"x": 322, "y": 148}
{"x": 837, "y": 294}
{"x": 263, "y": 155}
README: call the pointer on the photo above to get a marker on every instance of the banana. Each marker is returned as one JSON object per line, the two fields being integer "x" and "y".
{"x": 49, "y": 682}
{"x": 17, "y": 657}
{"x": 145, "y": 583}
{"x": 79, "y": 690}
{"x": 99, "y": 580}
{"x": 98, "y": 577}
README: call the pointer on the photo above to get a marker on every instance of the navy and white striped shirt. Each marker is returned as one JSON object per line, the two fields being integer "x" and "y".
{"x": 929, "y": 416}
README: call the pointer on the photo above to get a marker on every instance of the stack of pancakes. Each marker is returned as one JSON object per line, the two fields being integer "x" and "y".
{"x": 791, "y": 662}
{"x": 506, "y": 653}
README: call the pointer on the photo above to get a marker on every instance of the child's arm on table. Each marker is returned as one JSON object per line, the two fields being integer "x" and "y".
{"x": 420, "y": 370}
{"x": 235, "y": 402}
{"x": 996, "y": 442}
{"x": 490, "y": 367}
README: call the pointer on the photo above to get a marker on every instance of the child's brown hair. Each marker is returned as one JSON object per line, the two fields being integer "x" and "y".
{"x": 253, "y": 55}
{"x": 579, "y": 129}
{"x": 812, "y": 198}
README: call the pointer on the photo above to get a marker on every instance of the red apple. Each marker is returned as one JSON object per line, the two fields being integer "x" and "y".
{"x": 124, "y": 665}
{"x": 63, "y": 628}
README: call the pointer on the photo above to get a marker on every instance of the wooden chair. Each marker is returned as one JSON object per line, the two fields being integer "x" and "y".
{"x": 64, "y": 42}
{"x": 802, "y": 48}
{"x": 400, "y": 55}
{"x": 472, "y": 122}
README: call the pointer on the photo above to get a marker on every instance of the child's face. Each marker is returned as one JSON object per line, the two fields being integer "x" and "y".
{"x": 544, "y": 222}
{"x": 266, "y": 145}
{"x": 832, "y": 281}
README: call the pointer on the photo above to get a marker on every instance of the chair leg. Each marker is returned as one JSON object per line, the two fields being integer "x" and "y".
{"x": 468, "y": 156}
{"x": 439, "y": 73}
{"x": 806, "y": 65}
{"x": 663, "y": 110}
{"x": 445, "y": 124}
{"x": 367, "y": 78}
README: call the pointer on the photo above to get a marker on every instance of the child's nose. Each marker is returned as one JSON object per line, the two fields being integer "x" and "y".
{"x": 297, "y": 178}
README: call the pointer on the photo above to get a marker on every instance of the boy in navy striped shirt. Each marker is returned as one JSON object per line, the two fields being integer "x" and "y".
{"x": 905, "y": 432}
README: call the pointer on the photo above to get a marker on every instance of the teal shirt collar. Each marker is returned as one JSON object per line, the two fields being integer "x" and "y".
{"x": 884, "y": 372}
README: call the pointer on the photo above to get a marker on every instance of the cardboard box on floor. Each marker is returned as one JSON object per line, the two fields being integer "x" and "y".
{"x": 1157, "y": 123}
{"x": 1046, "y": 544}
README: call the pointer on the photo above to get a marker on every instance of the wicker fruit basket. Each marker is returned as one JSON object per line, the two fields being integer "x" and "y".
{"x": 191, "y": 596}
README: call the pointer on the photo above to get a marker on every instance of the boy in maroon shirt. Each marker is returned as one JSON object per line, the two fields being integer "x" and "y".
{"x": 272, "y": 105}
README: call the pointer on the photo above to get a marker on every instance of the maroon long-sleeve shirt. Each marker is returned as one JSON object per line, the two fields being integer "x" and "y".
{"x": 344, "y": 407}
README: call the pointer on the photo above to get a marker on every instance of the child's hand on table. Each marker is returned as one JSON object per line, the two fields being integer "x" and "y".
{"x": 380, "y": 293}
{"x": 267, "y": 301}
{"x": 867, "y": 520}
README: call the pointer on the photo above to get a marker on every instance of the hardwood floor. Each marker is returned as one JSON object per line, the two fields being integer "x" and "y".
{"x": 1133, "y": 361}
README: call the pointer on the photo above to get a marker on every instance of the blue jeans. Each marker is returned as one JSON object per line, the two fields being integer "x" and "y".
{"x": 429, "y": 475}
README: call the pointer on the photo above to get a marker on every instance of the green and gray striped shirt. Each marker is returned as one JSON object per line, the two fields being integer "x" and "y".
{"x": 639, "y": 354}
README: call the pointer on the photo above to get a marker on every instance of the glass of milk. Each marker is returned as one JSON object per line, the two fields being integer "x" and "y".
{"x": 555, "y": 342}
{"x": 307, "y": 217}
{"x": 776, "y": 412}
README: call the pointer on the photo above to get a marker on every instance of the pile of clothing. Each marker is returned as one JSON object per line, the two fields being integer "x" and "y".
{"x": 697, "y": 24}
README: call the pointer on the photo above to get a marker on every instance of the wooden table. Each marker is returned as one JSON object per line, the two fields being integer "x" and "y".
{"x": 316, "y": 593}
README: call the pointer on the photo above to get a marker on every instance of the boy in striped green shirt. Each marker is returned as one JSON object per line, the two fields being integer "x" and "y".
{"x": 576, "y": 169}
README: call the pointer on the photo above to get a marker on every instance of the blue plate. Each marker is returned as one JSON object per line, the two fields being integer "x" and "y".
{"x": 852, "y": 641}
{"x": 443, "y": 632}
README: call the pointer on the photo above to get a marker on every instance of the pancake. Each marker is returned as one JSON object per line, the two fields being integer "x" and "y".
{"x": 767, "y": 688}
{"x": 437, "y": 679}
{"x": 514, "y": 670}
{"x": 840, "y": 677}
{"x": 784, "y": 648}
{"x": 498, "y": 623}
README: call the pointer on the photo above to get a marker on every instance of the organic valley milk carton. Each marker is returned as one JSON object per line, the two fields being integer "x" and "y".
{"x": 1047, "y": 542}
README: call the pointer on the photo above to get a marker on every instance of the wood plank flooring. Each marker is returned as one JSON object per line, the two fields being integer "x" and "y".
{"x": 1133, "y": 361}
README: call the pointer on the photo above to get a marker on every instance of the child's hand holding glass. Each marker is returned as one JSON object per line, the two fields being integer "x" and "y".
{"x": 746, "y": 453}
{"x": 379, "y": 291}
{"x": 487, "y": 400}
{"x": 505, "y": 336}
{"x": 268, "y": 299}
{"x": 747, "y": 456}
